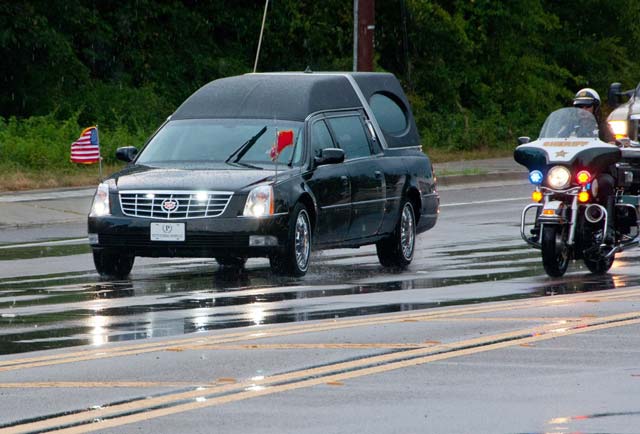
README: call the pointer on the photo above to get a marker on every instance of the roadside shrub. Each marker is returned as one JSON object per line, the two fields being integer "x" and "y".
{"x": 462, "y": 129}
{"x": 44, "y": 142}
{"x": 115, "y": 106}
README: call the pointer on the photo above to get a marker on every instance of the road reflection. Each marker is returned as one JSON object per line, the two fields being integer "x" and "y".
{"x": 193, "y": 296}
{"x": 564, "y": 424}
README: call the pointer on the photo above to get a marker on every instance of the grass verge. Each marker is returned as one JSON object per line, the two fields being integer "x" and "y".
{"x": 16, "y": 179}
{"x": 440, "y": 155}
{"x": 468, "y": 171}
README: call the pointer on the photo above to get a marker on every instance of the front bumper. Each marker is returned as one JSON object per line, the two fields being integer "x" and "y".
{"x": 204, "y": 237}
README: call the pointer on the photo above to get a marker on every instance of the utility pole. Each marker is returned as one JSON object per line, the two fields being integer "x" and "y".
{"x": 363, "y": 29}
{"x": 264, "y": 17}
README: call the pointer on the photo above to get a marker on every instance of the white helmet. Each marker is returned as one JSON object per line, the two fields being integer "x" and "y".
{"x": 587, "y": 96}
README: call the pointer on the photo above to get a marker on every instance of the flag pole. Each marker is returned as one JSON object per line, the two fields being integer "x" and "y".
{"x": 278, "y": 155}
{"x": 99, "y": 152}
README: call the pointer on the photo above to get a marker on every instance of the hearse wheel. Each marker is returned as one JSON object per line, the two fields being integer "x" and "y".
{"x": 113, "y": 263}
{"x": 231, "y": 261}
{"x": 397, "y": 250}
{"x": 294, "y": 259}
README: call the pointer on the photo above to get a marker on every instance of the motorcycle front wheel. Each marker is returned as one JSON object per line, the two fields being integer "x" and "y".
{"x": 555, "y": 253}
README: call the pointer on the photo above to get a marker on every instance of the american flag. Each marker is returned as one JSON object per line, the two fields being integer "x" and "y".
{"x": 86, "y": 150}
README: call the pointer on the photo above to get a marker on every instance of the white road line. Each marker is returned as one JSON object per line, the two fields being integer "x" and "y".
{"x": 47, "y": 243}
{"x": 481, "y": 202}
{"x": 33, "y": 196}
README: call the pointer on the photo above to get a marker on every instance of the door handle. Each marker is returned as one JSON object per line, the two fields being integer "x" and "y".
{"x": 345, "y": 180}
{"x": 382, "y": 182}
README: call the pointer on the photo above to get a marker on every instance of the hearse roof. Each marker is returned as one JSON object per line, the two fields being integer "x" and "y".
{"x": 294, "y": 96}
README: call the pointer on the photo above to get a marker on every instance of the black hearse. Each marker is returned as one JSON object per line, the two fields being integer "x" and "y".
{"x": 271, "y": 165}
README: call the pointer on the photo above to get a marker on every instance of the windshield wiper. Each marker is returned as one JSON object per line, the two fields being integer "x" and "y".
{"x": 250, "y": 166}
{"x": 244, "y": 148}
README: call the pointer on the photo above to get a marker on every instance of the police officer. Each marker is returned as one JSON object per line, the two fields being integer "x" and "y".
{"x": 603, "y": 186}
{"x": 588, "y": 99}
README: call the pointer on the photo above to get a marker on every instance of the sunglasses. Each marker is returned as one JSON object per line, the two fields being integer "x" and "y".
{"x": 584, "y": 105}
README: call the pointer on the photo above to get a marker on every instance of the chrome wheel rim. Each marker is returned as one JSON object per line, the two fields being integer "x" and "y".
{"x": 302, "y": 240}
{"x": 407, "y": 231}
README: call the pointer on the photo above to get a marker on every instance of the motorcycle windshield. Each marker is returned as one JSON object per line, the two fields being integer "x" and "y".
{"x": 570, "y": 122}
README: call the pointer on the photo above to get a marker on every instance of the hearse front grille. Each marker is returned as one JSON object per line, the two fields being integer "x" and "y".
{"x": 174, "y": 205}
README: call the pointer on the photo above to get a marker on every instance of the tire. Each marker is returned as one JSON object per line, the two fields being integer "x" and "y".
{"x": 113, "y": 263}
{"x": 599, "y": 265}
{"x": 397, "y": 250}
{"x": 555, "y": 253}
{"x": 593, "y": 256}
{"x": 231, "y": 261}
{"x": 294, "y": 259}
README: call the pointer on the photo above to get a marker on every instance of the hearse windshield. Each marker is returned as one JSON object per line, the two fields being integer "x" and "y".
{"x": 235, "y": 141}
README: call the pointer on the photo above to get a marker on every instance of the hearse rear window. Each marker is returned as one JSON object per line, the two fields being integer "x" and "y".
{"x": 391, "y": 114}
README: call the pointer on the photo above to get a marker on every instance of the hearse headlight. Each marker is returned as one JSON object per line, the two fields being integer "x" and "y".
{"x": 259, "y": 202}
{"x": 558, "y": 177}
{"x": 100, "y": 206}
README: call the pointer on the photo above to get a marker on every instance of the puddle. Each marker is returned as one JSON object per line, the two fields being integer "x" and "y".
{"x": 64, "y": 310}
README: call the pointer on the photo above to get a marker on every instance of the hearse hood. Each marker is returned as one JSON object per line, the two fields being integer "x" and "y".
{"x": 153, "y": 178}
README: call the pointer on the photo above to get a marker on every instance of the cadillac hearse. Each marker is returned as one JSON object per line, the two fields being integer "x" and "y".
{"x": 271, "y": 165}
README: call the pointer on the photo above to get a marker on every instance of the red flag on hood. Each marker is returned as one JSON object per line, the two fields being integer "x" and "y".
{"x": 284, "y": 139}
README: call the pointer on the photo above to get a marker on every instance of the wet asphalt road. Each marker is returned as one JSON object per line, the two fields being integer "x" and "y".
{"x": 472, "y": 338}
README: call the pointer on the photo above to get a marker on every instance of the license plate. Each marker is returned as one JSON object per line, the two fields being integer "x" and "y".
{"x": 167, "y": 231}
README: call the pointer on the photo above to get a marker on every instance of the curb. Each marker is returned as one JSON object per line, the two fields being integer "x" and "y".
{"x": 45, "y": 190}
{"x": 30, "y": 225}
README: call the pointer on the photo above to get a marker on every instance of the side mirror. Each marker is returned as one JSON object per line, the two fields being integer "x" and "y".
{"x": 126, "y": 153}
{"x": 613, "y": 96}
{"x": 523, "y": 140}
{"x": 330, "y": 156}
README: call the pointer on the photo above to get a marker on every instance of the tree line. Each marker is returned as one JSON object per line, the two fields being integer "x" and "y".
{"x": 478, "y": 72}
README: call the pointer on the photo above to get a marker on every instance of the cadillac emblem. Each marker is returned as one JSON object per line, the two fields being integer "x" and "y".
{"x": 170, "y": 205}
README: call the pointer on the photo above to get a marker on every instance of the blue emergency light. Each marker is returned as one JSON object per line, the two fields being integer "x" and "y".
{"x": 535, "y": 177}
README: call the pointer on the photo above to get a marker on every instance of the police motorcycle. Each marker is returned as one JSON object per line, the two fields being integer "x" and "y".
{"x": 565, "y": 219}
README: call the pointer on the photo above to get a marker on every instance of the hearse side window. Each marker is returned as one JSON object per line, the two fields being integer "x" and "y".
{"x": 390, "y": 114}
{"x": 350, "y": 135}
{"x": 320, "y": 138}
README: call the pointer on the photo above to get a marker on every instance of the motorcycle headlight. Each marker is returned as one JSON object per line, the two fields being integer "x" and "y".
{"x": 619, "y": 128}
{"x": 100, "y": 206}
{"x": 558, "y": 177}
{"x": 259, "y": 202}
